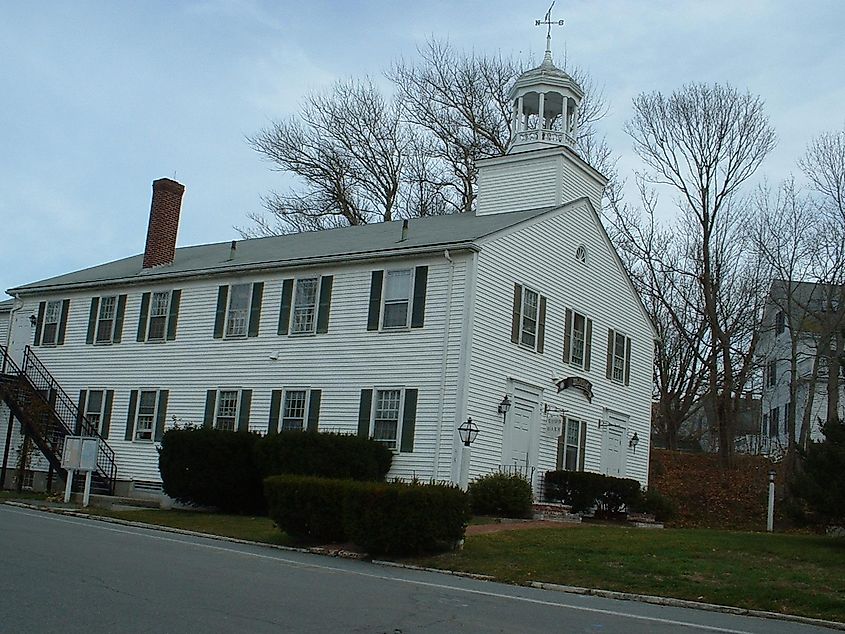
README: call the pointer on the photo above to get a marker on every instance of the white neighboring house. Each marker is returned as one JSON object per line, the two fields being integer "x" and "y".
{"x": 799, "y": 309}
{"x": 400, "y": 331}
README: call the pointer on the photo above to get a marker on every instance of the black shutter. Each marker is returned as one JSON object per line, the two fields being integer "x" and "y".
{"x": 610, "y": 338}
{"x": 39, "y": 325}
{"x": 118, "y": 319}
{"x": 92, "y": 319}
{"x": 374, "y": 314}
{"x": 517, "y": 312}
{"x": 364, "y": 410}
{"x": 325, "y": 303}
{"x": 627, "y": 360}
{"x": 567, "y": 337}
{"x": 210, "y": 402}
{"x": 106, "y": 421}
{"x": 255, "y": 309}
{"x": 284, "y": 310}
{"x": 142, "y": 319}
{"x": 409, "y": 420}
{"x": 582, "y": 445}
{"x": 63, "y": 322}
{"x": 314, "y": 409}
{"x": 130, "y": 417}
{"x": 83, "y": 398}
{"x": 588, "y": 344}
{"x": 161, "y": 415}
{"x": 173, "y": 314}
{"x": 418, "y": 307}
{"x": 220, "y": 315}
{"x": 275, "y": 408}
{"x": 243, "y": 412}
{"x": 541, "y": 325}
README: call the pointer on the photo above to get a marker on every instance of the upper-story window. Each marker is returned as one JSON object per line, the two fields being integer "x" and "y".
{"x": 159, "y": 316}
{"x": 771, "y": 373}
{"x": 305, "y": 307}
{"x": 578, "y": 340}
{"x": 618, "y": 357}
{"x": 51, "y": 323}
{"x": 780, "y": 322}
{"x": 397, "y": 299}
{"x": 528, "y": 323}
{"x": 238, "y": 310}
{"x": 105, "y": 319}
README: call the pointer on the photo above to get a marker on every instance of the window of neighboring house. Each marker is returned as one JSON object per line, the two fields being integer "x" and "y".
{"x": 766, "y": 430}
{"x": 397, "y": 299}
{"x": 105, "y": 319}
{"x": 226, "y": 416}
{"x": 618, "y": 357}
{"x": 774, "y": 422}
{"x": 52, "y": 316}
{"x": 237, "y": 313}
{"x": 780, "y": 322}
{"x": 771, "y": 373}
{"x": 578, "y": 337}
{"x": 94, "y": 406}
{"x": 386, "y": 417}
{"x": 570, "y": 445}
{"x": 294, "y": 410}
{"x": 159, "y": 308}
{"x": 528, "y": 324}
{"x": 305, "y": 306}
{"x": 146, "y": 416}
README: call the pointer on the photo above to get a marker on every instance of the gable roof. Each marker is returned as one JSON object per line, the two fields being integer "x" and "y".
{"x": 7, "y": 305}
{"x": 383, "y": 239}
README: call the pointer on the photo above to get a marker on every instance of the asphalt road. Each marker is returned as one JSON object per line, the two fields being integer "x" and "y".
{"x": 63, "y": 574}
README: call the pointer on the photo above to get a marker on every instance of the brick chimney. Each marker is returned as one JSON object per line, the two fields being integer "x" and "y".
{"x": 164, "y": 222}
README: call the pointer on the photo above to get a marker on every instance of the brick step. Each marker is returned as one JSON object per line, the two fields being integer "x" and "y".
{"x": 555, "y": 512}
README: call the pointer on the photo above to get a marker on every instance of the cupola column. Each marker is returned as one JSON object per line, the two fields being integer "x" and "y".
{"x": 541, "y": 116}
{"x": 521, "y": 118}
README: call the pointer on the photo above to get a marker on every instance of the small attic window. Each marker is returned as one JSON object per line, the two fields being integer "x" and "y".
{"x": 581, "y": 254}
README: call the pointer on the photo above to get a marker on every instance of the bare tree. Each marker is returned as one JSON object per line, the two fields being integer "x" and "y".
{"x": 705, "y": 142}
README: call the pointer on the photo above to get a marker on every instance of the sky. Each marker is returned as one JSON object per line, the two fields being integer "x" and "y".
{"x": 99, "y": 99}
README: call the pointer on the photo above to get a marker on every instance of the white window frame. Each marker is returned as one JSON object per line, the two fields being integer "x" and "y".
{"x": 48, "y": 321}
{"x": 227, "y": 331}
{"x": 771, "y": 373}
{"x": 103, "y": 320}
{"x": 101, "y": 413}
{"x": 136, "y": 430}
{"x": 237, "y": 412}
{"x": 569, "y": 423}
{"x": 314, "y": 308}
{"x": 523, "y": 331}
{"x": 305, "y": 408}
{"x": 578, "y": 364}
{"x": 164, "y": 318}
{"x": 385, "y": 302}
{"x": 395, "y": 444}
{"x": 617, "y": 362}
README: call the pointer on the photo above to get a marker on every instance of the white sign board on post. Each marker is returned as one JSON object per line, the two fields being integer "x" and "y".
{"x": 80, "y": 454}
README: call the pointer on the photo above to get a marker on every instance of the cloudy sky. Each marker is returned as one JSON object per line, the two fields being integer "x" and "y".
{"x": 100, "y": 99}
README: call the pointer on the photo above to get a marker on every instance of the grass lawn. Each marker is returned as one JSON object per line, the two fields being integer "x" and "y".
{"x": 795, "y": 574}
{"x": 23, "y": 495}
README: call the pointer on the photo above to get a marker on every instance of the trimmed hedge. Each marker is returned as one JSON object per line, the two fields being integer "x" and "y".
{"x": 325, "y": 455}
{"x": 502, "y": 495}
{"x": 211, "y": 468}
{"x": 583, "y": 490}
{"x": 659, "y": 505}
{"x": 394, "y": 518}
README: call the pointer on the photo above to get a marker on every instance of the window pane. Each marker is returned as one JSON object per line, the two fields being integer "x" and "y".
{"x": 146, "y": 415}
{"x": 530, "y": 300}
{"x": 52, "y": 314}
{"x": 578, "y": 338}
{"x": 293, "y": 414}
{"x": 395, "y": 314}
{"x": 105, "y": 323}
{"x": 159, "y": 307}
{"x": 619, "y": 357}
{"x": 236, "y": 320}
{"x": 227, "y": 410}
{"x": 398, "y": 285}
{"x": 95, "y": 402}
{"x": 305, "y": 305}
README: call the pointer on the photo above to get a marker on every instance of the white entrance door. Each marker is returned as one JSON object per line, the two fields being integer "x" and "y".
{"x": 614, "y": 448}
{"x": 520, "y": 427}
{"x": 20, "y": 336}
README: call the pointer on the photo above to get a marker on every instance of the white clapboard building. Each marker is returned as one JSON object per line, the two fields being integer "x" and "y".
{"x": 400, "y": 331}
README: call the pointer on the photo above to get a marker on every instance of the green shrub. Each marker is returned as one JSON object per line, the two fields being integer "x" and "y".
{"x": 406, "y": 519}
{"x": 325, "y": 455}
{"x": 501, "y": 494}
{"x": 307, "y": 507}
{"x": 819, "y": 486}
{"x": 583, "y": 491}
{"x": 657, "y": 504}
{"x": 209, "y": 467}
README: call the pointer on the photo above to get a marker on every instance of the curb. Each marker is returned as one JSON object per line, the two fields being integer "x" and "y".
{"x": 540, "y": 585}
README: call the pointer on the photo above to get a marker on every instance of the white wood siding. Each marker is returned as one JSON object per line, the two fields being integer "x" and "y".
{"x": 542, "y": 256}
{"x": 340, "y": 362}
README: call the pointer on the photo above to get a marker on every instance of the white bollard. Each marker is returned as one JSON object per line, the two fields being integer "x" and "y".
{"x": 87, "y": 494}
{"x": 770, "y": 520}
{"x": 69, "y": 485}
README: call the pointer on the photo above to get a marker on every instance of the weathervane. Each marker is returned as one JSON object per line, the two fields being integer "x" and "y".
{"x": 549, "y": 22}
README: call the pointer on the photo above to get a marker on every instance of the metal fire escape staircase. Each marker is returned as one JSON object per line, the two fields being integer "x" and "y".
{"x": 48, "y": 415}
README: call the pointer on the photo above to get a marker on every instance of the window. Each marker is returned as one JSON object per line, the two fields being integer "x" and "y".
{"x": 774, "y": 422}
{"x": 780, "y": 322}
{"x": 94, "y": 409}
{"x": 145, "y": 422}
{"x": 52, "y": 316}
{"x": 618, "y": 357}
{"x": 570, "y": 445}
{"x": 227, "y": 410}
{"x": 294, "y": 410}
{"x": 386, "y": 417}
{"x": 577, "y": 344}
{"x": 237, "y": 313}
{"x": 771, "y": 373}
{"x": 397, "y": 299}
{"x": 529, "y": 318}
{"x": 305, "y": 306}
{"x": 766, "y": 430}
{"x": 581, "y": 254}
{"x": 159, "y": 316}
{"x": 105, "y": 319}
{"x": 159, "y": 308}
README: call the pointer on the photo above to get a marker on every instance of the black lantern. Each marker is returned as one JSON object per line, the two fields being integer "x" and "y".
{"x": 635, "y": 440}
{"x": 468, "y": 432}
{"x": 33, "y": 320}
{"x": 504, "y": 406}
